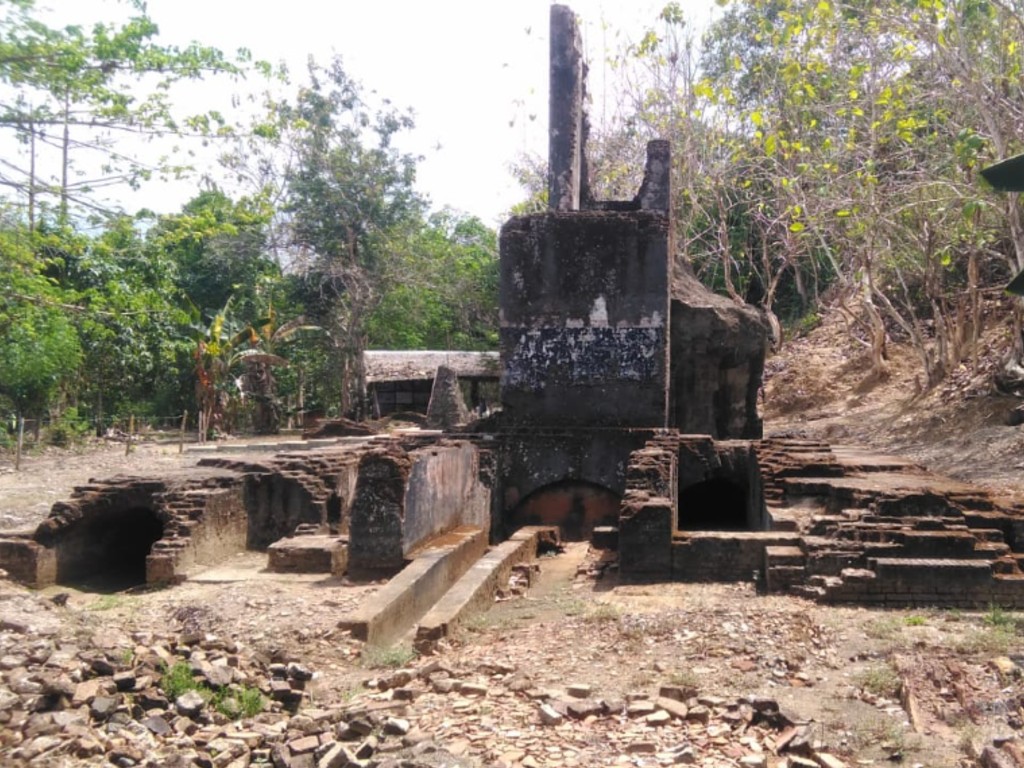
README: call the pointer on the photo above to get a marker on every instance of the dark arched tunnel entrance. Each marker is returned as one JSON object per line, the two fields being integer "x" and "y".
{"x": 576, "y": 507}
{"x": 106, "y": 551}
{"x": 714, "y": 505}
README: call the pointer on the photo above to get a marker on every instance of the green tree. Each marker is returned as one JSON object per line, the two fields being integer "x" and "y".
{"x": 220, "y": 251}
{"x": 74, "y": 92}
{"x": 351, "y": 210}
{"x": 444, "y": 293}
{"x": 132, "y": 319}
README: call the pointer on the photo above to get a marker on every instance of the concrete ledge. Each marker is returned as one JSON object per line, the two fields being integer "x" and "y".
{"x": 474, "y": 592}
{"x": 309, "y": 554}
{"x": 396, "y": 607}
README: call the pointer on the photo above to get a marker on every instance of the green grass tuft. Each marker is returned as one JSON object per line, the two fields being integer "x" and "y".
{"x": 392, "y": 657}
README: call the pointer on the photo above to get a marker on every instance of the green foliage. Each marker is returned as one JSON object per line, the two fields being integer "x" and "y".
{"x": 39, "y": 351}
{"x": 880, "y": 680}
{"x": 998, "y": 617}
{"x": 234, "y": 702}
{"x": 352, "y": 209}
{"x": 219, "y": 251}
{"x": 178, "y": 679}
{"x": 447, "y": 296}
{"x": 828, "y": 147}
{"x": 68, "y": 429}
{"x": 239, "y": 702}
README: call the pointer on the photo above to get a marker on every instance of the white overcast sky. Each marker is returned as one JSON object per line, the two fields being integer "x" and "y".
{"x": 474, "y": 71}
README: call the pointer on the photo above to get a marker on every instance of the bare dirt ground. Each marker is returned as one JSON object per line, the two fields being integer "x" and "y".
{"x": 819, "y": 386}
{"x": 926, "y": 687}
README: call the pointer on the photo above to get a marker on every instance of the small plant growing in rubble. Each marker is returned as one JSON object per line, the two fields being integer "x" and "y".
{"x": 244, "y": 702}
{"x": 393, "y": 657}
{"x": 684, "y": 678}
{"x": 880, "y": 680}
{"x": 603, "y": 613}
{"x": 177, "y": 680}
{"x": 104, "y": 603}
{"x": 998, "y": 617}
{"x": 883, "y": 628}
{"x": 915, "y": 621}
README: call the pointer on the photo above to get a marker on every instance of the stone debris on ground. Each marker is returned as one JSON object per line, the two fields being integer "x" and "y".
{"x": 99, "y": 700}
{"x": 596, "y": 687}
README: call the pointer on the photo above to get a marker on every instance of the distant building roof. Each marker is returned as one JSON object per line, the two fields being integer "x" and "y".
{"x": 388, "y": 365}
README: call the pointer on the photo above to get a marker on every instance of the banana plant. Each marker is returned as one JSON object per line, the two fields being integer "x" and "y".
{"x": 222, "y": 348}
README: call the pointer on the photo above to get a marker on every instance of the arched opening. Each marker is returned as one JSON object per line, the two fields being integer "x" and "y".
{"x": 717, "y": 504}
{"x": 576, "y": 507}
{"x": 106, "y": 551}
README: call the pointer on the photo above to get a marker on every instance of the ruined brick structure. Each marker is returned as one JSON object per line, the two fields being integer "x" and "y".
{"x": 629, "y": 419}
{"x": 601, "y": 326}
{"x": 605, "y": 336}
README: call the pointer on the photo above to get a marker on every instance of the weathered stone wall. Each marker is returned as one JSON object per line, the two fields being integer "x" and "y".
{"x": 567, "y": 121}
{"x": 378, "y": 510}
{"x": 921, "y": 582}
{"x": 718, "y": 351}
{"x": 648, "y": 516}
{"x": 28, "y": 562}
{"x": 404, "y": 498}
{"x": 289, "y": 490}
{"x": 584, "y": 318}
{"x": 223, "y": 532}
{"x": 444, "y": 492}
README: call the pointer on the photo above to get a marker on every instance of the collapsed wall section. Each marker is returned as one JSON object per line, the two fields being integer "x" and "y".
{"x": 718, "y": 352}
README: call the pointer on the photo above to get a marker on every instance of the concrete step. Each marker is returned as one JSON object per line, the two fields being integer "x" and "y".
{"x": 474, "y": 592}
{"x": 394, "y": 610}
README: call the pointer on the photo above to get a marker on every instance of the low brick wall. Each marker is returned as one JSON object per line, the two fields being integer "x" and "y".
{"x": 28, "y": 562}
{"x": 911, "y": 582}
{"x": 725, "y": 556}
{"x": 308, "y": 554}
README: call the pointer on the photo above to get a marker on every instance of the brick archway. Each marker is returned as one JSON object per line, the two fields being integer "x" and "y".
{"x": 575, "y": 506}
{"x": 107, "y": 549}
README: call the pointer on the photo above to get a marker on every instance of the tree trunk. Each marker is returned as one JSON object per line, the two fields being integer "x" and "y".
{"x": 20, "y": 443}
{"x": 99, "y": 412}
{"x": 64, "y": 158}
{"x": 31, "y": 174}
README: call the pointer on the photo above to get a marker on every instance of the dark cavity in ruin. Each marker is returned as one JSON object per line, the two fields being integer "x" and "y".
{"x": 108, "y": 551}
{"x": 714, "y": 505}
